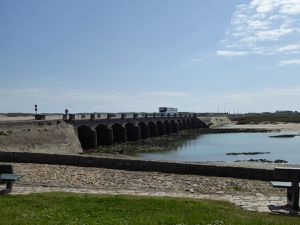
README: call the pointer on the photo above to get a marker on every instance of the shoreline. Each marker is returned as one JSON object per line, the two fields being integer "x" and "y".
{"x": 283, "y": 127}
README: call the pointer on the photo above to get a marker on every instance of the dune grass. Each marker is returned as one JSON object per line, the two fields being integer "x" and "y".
{"x": 271, "y": 118}
{"x": 66, "y": 208}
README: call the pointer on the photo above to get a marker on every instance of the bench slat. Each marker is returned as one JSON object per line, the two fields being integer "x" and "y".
{"x": 10, "y": 177}
{"x": 279, "y": 184}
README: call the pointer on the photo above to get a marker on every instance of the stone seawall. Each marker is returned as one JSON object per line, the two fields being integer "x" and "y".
{"x": 138, "y": 165}
{"x": 53, "y": 137}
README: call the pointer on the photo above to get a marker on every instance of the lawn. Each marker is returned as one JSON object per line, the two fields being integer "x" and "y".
{"x": 63, "y": 208}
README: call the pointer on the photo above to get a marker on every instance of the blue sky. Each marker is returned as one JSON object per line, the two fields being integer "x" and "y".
{"x": 118, "y": 56}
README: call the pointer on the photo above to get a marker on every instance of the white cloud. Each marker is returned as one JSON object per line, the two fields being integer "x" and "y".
{"x": 292, "y": 48}
{"x": 265, "y": 25}
{"x": 290, "y": 7}
{"x": 264, "y": 6}
{"x": 230, "y": 53}
{"x": 272, "y": 35}
{"x": 258, "y": 24}
{"x": 289, "y": 62}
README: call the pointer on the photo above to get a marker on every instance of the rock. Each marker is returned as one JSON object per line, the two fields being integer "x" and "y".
{"x": 283, "y": 136}
{"x": 263, "y": 161}
{"x": 280, "y": 161}
{"x": 247, "y": 153}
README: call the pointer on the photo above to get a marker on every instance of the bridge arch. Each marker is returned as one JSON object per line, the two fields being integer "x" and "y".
{"x": 167, "y": 127}
{"x": 184, "y": 124}
{"x": 144, "y": 130}
{"x": 188, "y": 124}
{"x": 104, "y": 135}
{"x": 180, "y": 126}
{"x": 194, "y": 124}
{"x": 133, "y": 132}
{"x": 87, "y": 137}
{"x": 160, "y": 128}
{"x": 152, "y": 129}
{"x": 174, "y": 126}
{"x": 119, "y": 133}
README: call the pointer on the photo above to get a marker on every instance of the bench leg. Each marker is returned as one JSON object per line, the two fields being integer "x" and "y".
{"x": 290, "y": 197}
{"x": 8, "y": 188}
{"x": 295, "y": 194}
{"x": 296, "y": 199}
{"x": 9, "y": 185}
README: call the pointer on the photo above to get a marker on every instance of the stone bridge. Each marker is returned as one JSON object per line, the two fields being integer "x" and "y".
{"x": 105, "y": 129}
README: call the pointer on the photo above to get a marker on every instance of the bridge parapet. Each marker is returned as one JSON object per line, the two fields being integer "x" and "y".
{"x": 112, "y": 116}
{"x": 115, "y": 116}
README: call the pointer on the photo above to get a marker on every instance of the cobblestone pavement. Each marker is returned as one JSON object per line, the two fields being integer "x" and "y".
{"x": 258, "y": 202}
{"x": 247, "y": 194}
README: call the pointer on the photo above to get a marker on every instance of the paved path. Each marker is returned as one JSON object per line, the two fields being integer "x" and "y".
{"x": 248, "y": 194}
{"x": 258, "y": 202}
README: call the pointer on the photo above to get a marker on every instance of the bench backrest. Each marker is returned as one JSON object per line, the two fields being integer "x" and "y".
{"x": 6, "y": 168}
{"x": 286, "y": 173}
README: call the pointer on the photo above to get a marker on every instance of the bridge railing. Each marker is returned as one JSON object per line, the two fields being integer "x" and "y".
{"x": 109, "y": 116}
{"x": 112, "y": 116}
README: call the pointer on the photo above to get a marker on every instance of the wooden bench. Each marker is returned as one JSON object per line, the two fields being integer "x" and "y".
{"x": 7, "y": 177}
{"x": 288, "y": 178}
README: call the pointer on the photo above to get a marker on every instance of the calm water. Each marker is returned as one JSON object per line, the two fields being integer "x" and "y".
{"x": 212, "y": 147}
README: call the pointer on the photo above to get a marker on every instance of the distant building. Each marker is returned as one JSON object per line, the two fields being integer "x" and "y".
{"x": 284, "y": 112}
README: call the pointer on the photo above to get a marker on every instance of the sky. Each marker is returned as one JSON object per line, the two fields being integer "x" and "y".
{"x": 124, "y": 56}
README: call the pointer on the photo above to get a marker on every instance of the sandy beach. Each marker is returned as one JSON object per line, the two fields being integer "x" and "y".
{"x": 284, "y": 127}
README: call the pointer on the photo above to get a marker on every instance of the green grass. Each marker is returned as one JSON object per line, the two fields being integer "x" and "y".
{"x": 62, "y": 208}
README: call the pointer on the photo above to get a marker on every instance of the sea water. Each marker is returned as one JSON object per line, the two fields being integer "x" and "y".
{"x": 213, "y": 147}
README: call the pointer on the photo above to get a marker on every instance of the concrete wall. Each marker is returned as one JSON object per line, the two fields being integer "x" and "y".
{"x": 39, "y": 136}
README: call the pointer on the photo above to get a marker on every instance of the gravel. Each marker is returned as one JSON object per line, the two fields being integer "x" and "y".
{"x": 108, "y": 179}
